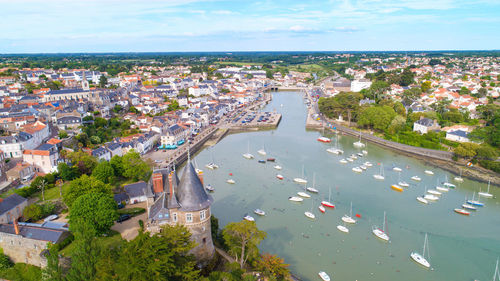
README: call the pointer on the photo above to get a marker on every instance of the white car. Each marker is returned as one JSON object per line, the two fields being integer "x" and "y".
{"x": 51, "y": 218}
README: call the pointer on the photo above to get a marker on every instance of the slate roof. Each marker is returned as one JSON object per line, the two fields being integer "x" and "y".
{"x": 65, "y": 91}
{"x": 460, "y": 133}
{"x": 136, "y": 189}
{"x": 425, "y": 122}
{"x": 190, "y": 193}
{"x": 37, "y": 233}
{"x": 11, "y": 202}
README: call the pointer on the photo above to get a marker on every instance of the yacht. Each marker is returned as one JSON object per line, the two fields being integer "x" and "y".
{"x": 416, "y": 178}
{"x": 324, "y": 276}
{"x": 295, "y": 199}
{"x": 278, "y": 167}
{"x": 381, "y": 233}
{"x": 429, "y": 172}
{"x": 343, "y": 228}
{"x": 420, "y": 258}
{"x": 230, "y": 181}
{"x": 357, "y": 170}
{"x": 259, "y": 212}
{"x": 486, "y": 194}
{"x": 248, "y": 218}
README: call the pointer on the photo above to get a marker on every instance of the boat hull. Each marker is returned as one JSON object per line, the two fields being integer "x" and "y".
{"x": 462, "y": 212}
{"x": 327, "y": 204}
{"x": 485, "y": 195}
{"x": 380, "y": 234}
{"x": 416, "y": 257}
{"x": 343, "y": 228}
{"x": 322, "y": 209}
{"x": 348, "y": 219}
{"x": 397, "y": 188}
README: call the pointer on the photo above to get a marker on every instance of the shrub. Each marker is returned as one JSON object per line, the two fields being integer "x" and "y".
{"x": 491, "y": 165}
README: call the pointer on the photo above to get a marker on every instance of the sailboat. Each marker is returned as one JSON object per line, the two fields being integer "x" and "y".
{"x": 343, "y": 161}
{"x": 259, "y": 212}
{"x": 448, "y": 184}
{"x": 231, "y": 181}
{"x": 295, "y": 199}
{"x": 486, "y": 194}
{"x": 324, "y": 276}
{"x": 416, "y": 178}
{"x": 495, "y": 275}
{"x": 277, "y": 167}
{"x": 343, "y": 228}
{"x": 459, "y": 178}
{"x": 474, "y": 202}
{"x": 328, "y": 203}
{"x": 357, "y": 170}
{"x": 209, "y": 188}
{"x": 429, "y": 172}
{"x": 248, "y": 155}
{"x": 359, "y": 144}
{"x": 248, "y": 218}
{"x": 310, "y": 213}
{"x": 468, "y": 206}
{"x": 301, "y": 180}
{"x": 422, "y": 199}
{"x": 381, "y": 233}
{"x": 348, "y": 218}
{"x": 402, "y": 183}
{"x": 461, "y": 211}
{"x": 397, "y": 169}
{"x": 262, "y": 151}
{"x": 335, "y": 150}
{"x": 380, "y": 176}
{"x": 322, "y": 209}
{"x": 212, "y": 164}
{"x": 420, "y": 258}
{"x": 312, "y": 188}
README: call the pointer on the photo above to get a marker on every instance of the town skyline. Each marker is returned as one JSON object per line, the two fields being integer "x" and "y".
{"x": 225, "y": 26}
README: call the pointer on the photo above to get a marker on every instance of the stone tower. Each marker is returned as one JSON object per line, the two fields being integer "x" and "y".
{"x": 85, "y": 82}
{"x": 182, "y": 202}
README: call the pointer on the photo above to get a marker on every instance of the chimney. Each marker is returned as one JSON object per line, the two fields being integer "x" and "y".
{"x": 200, "y": 176}
{"x": 16, "y": 227}
{"x": 170, "y": 183}
{"x": 157, "y": 182}
{"x": 1, "y": 200}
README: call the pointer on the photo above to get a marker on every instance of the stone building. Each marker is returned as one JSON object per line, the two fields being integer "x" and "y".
{"x": 172, "y": 201}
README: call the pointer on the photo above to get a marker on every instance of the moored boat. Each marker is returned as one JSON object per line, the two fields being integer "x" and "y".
{"x": 381, "y": 233}
{"x": 209, "y": 188}
{"x": 397, "y": 187}
{"x": 324, "y": 139}
{"x": 324, "y": 276}
{"x": 322, "y": 209}
{"x": 420, "y": 258}
{"x": 248, "y": 218}
{"x": 230, "y": 181}
{"x": 295, "y": 199}
{"x": 280, "y": 177}
{"x": 262, "y": 152}
{"x": 474, "y": 202}
{"x": 486, "y": 194}
{"x": 422, "y": 200}
{"x": 442, "y": 188}
{"x": 434, "y": 192}
{"x": 429, "y": 172}
{"x": 259, "y": 212}
{"x": 462, "y": 212}
{"x": 303, "y": 194}
{"x": 343, "y": 228}
{"x": 262, "y": 161}
{"x": 343, "y": 161}
{"x": 416, "y": 178}
{"x": 469, "y": 207}
{"x": 271, "y": 159}
{"x": 309, "y": 215}
{"x": 328, "y": 203}
{"x": 278, "y": 167}
{"x": 348, "y": 218}
{"x": 397, "y": 169}
{"x": 357, "y": 170}
{"x": 300, "y": 180}
{"x": 431, "y": 197}
{"x": 403, "y": 184}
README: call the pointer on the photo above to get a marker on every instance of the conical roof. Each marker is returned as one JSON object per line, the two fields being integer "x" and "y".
{"x": 190, "y": 193}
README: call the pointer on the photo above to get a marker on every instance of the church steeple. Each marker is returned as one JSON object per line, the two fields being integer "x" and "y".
{"x": 85, "y": 82}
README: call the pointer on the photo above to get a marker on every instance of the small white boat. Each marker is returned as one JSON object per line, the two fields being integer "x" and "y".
{"x": 381, "y": 233}
{"x": 212, "y": 166}
{"x": 368, "y": 164}
{"x": 312, "y": 189}
{"x": 429, "y": 172}
{"x": 442, "y": 189}
{"x": 416, "y": 178}
{"x": 353, "y": 157}
{"x": 324, "y": 276}
{"x": 422, "y": 200}
{"x": 230, "y": 181}
{"x": 348, "y": 218}
{"x": 486, "y": 194}
{"x": 380, "y": 176}
{"x": 248, "y": 218}
{"x": 262, "y": 152}
{"x": 350, "y": 159}
{"x": 363, "y": 167}
{"x": 469, "y": 207}
{"x": 278, "y": 167}
{"x": 310, "y": 215}
{"x": 431, "y": 197}
{"x": 459, "y": 178}
{"x": 280, "y": 177}
{"x": 359, "y": 144}
{"x": 434, "y": 192}
{"x": 450, "y": 185}
{"x": 259, "y": 212}
{"x": 357, "y": 170}
{"x": 295, "y": 199}
{"x": 360, "y": 154}
{"x": 403, "y": 184}
{"x": 300, "y": 180}
{"x": 303, "y": 194}
{"x": 343, "y": 228}
{"x": 248, "y": 156}
{"x": 420, "y": 258}
{"x": 364, "y": 152}
{"x": 397, "y": 169}
{"x": 322, "y": 209}
{"x": 343, "y": 161}
{"x": 209, "y": 188}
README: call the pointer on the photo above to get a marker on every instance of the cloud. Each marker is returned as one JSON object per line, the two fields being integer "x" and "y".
{"x": 345, "y": 29}
{"x": 224, "y": 12}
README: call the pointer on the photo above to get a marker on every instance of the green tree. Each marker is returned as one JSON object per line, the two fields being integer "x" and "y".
{"x": 485, "y": 151}
{"x": 345, "y": 104}
{"x": 162, "y": 256}
{"x": 273, "y": 266}
{"x": 95, "y": 139}
{"x": 53, "y": 270}
{"x": 426, "y": 86}
{"x": 407, "y": 77}
{"x": 86, "y": 251}
{"x": 63, "y": 134}
{"x": 103, "y": 81}
{"x": 85, "y": 162}
{"x": 117, "y": 164}
{"x": 67, "y": 172}
{"x": 85, "y": 185}
{"x": 104, "y": 172}
{"x": 33, "y": 212}
{"x": 377, "y": 117}
{"x": 5, "y": 262}
{"x": 397, "y": 124}
{"x": 134, "y": 167}
{"x": 242, "y": 239}
{"x": 466, "y": 150}
{"x": 96, "y": 209}
{"x": 433, "y": 62}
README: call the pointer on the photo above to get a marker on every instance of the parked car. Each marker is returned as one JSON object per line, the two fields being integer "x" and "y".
{"x": 123, "y": 218}
{"x": 50, "y": 218}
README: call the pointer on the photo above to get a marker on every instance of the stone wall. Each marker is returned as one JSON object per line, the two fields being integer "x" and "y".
{"x": 20, "y": 249}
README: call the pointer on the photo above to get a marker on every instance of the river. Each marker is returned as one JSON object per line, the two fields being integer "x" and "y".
{"x": 460, "y": 247}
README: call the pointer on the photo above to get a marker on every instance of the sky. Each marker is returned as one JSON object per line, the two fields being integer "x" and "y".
{"x": 53, "y": 26}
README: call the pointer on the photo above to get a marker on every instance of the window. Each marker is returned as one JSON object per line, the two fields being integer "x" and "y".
{"x": 202, "y": 215}
{"x": 160, "y": 216}
{"x": 174, "y": 217}
{"x": 189, "y": 217}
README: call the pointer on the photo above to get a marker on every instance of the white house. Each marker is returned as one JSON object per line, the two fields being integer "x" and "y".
{"x": 425, "y": 125}
{"x": 44, "y": 158}
{"x": 358, "y": 85}
{"x": 458, "y": 136}
{"x": 136, "y": 192}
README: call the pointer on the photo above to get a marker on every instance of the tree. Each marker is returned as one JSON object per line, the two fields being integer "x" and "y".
{"x": 66, "y": 172}
{"x": 95, "y": 139}
{"x": 33, "y": 212}
{"x": 425, "y": 86}
{"x": 96, "y": 209}
{"x": 85, "y": 185}
{"x": 466, "y": 150}
{"x": 63, "y": 134}
{"x": 273, "y": 266}
{"x": 433, "y": 62}
{"x": 345, "y": 104}
{"x": 377, "y": 117}
{"x": 407, "y": 77}
{"x": 134, "y": 167}
{"x": 5, "y": 261}
{"x": 103, "y": 81}
{"x": 104, "y": 172}
{"x": 242, "y": 239}
{"x": 53, "y": 270}
{"x": 485, "y": 151}
{"x": 85, "y": 162}
{"x": 86, "y": 252}
{"x": 397, "y": 124}
{"x": 411, "y": 95}
{"x": 117, "y": 164}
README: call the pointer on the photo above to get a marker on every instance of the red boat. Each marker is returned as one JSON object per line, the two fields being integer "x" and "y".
{"x": 271, "y": 159}
{"x": 279, "y": 177}
{"x": 327, "y": 204}
{"x": 321, "y": 209}
{"x": 324, "y": 139}
{"x": 462, "y": 212}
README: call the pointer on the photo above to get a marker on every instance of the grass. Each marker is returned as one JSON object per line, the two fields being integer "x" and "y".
{"x": 132, "y": 211}
{"x": 112, "y": 240}
{"x": 22, "y": 272}
{"x": 52, "y": 193}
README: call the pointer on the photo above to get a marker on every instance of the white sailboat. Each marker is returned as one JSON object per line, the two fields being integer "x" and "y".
{"x": 312, "y": 188}
{"x": 301, "y": 180}
{"x": 295, "y": 199}
{"x": 259, "y": 212}
{"x": 262, "y": 151}
{"x": 402, "y": 183}
{"x": 348, "y": 218}
{"x": 495, "y": 275}
{"x": 212, "y": 164}
{"x": 459, "y": 178}
{"x": 278, "y": 167}
{"x": 397, "y": 169}
{"x": 310, "y": 214}
{"x": 343, "y": 228}
{"x": 324, "y": 276}
{"x": 248, "y": 218}
{"x": 468, "y": 206}
{"x": 357, "y": 170}
{"x": 448, "y": 184}
{"x": 475, "y": 202}
{"x": 381, "y": 233}
{"x": 343, "y": 161}
{"x": 248, "y": 155}
{"x": 359, "y": 144}
{"x": 380, "y": 176}
{"x": 486, "y": 194}
{"x": 231, "y": 181}
{"x": 422, "y": 199}
{"x": 429, "y": 172}
{"x": 416, "y": 178}
{"x": 420, "y": 258}
{"x": 328, "y": 203}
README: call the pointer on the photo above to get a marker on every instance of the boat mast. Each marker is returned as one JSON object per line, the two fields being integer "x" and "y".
{"x": 329, "y": 193}
{"x": 425, "y": 242}
{"x": 351, "y": 210}
{"x": 383, "y": 227}
{"x": 496, "y": 272}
